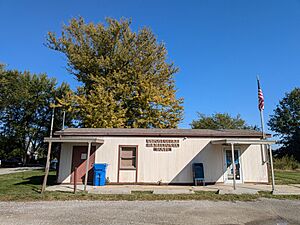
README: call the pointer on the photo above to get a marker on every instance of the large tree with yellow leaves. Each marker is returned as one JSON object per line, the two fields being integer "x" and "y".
{"x": 126, "y": 79}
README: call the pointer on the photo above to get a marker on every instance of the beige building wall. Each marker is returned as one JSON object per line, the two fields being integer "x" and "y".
{"x": 65, "y": 162}
{"x": 254, "y": 166}
{"x": 172, "y": 166}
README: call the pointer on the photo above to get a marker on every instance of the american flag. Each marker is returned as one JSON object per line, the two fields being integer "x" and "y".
{"x": 261, "y": 101}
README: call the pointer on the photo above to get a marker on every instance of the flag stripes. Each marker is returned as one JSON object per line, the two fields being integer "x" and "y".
{"x": 261, "y": 100}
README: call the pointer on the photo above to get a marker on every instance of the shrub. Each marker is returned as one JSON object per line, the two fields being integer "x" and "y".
{"x": 286, "y": 163}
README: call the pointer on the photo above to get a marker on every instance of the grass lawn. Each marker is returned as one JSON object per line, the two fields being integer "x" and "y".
{"x": 25, "y": 186}
{"x": 287, "y": 177}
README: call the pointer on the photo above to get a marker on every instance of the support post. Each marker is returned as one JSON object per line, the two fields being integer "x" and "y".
{"x": 48, "y": 154}
{"x": 87, "y": 165}
{"x": 63, "y": 122}
{"x": 75, "y": 180}
{"x": 47, "y": 167}
{"x": 233, "y": 165}
{"x": 272, "y": 169}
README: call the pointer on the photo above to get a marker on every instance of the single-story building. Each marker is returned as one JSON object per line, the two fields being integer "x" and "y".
{"x": 163, "y": 156}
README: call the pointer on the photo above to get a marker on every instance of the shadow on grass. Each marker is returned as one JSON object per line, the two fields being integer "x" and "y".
{"x": 38, "y": 180}
{"x": 35, "y": 182}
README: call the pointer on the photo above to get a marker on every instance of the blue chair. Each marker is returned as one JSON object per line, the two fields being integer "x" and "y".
{"x": 198, "y": 173}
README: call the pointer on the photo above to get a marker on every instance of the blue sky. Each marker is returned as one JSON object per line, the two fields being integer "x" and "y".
{"x": 219, "y": 45}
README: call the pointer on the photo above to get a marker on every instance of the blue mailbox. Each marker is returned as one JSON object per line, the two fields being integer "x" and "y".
{"x": 100, "y": 174}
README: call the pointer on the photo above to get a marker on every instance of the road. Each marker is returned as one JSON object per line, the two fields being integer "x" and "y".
{"x": 17, "y": 169}
{"x": 264, "y": 211}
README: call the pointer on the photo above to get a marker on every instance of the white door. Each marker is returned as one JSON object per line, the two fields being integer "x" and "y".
{"x": 228, "y": 167}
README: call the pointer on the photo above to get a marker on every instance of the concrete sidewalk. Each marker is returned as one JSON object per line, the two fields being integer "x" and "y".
{"x": 217, "y": 188}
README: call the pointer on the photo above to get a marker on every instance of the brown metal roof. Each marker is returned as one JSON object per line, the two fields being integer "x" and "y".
{"x": 158, "y": 132}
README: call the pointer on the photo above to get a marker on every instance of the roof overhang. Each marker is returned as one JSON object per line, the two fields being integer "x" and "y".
{"x": 77, "y": 139}
{"x": 164, "y": 133}
{"x": 242, "y": 142}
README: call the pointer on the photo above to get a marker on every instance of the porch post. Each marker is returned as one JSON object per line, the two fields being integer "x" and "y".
{"x": 233, "y": 164}
{"x": 272, "y": 169}
{"x": 47, "y": 167}
{"x": 48, "y": 154}
{"x": 87, "y": 165}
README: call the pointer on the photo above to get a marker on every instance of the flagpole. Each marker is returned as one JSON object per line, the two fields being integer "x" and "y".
{"x": 261, "y": 109}
{"x": 261, "y": 114}
{"x": 262, "y": 124}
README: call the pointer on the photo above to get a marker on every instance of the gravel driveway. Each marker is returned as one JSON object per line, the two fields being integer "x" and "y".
{"x": 264, "y": 211}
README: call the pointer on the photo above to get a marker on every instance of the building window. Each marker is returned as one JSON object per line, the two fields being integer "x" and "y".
{"x": 128, "y": 157}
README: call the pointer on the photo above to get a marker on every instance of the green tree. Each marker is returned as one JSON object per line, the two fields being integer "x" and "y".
{"x": 286, "y": 123}
{"x": 220, "y": 121}
{"x": 126, "y": 79}
{"x": 25, "y": 111}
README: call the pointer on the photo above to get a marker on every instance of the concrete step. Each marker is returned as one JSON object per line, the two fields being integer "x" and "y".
{"x": 238, "y": 191}
{"x": 172, "y": 191}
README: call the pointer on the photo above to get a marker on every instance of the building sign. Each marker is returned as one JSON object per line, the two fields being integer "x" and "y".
{"x": 83, "y": 156}
{"x": 163, "y": 145}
